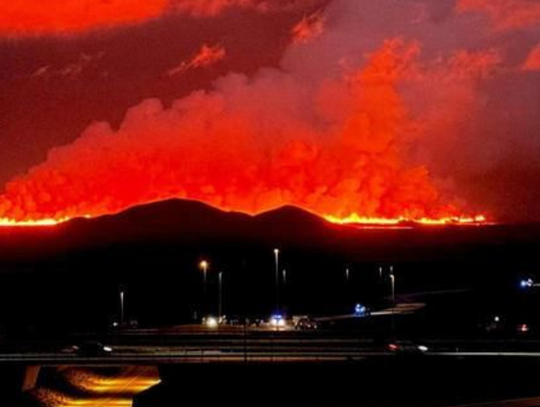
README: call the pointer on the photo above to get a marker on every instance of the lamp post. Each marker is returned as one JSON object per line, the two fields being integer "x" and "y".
{"x": 276, "y": 258}
{"x": 122, "y": 317}
{"x": 220, "y": 296}
{"x": 393, "y": 294}
{"x": 203, "y": 265}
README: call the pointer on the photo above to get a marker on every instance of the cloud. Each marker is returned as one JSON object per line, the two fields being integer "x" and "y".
{"x": 309, "y": 28}
{"x": 207, "y": 56}
{"x": 210, "y": 8}
{"x": 505, "y": 14}
{"x": 205, "y": 8}
{"x": 67, "y": 17}
{"x": 36, "y": 17}
{"x": 72, "y": 70}
{"x": 532, "y": 63}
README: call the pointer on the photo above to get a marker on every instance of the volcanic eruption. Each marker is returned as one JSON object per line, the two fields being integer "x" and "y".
{"x": 246, "y": 147}
{"x": 330, "y": 129}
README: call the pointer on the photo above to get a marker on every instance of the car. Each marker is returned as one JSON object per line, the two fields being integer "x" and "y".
{"x": 406, "y": 348}
{"x": 277, "y": 321}
{"x": 92, "y": 349}
{"x": 306, "y": 324}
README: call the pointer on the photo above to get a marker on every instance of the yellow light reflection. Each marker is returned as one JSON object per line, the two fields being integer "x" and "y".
{"x": 95, "y": 389}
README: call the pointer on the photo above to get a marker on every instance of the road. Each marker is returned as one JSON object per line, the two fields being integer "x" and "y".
{"x": 187, "y": 346}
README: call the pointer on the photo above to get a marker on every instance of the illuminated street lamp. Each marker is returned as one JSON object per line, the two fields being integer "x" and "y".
{"x": 203, "y": 265}
{"x": 122, "y": 317}
{"x": 276, "y": 258}
{"x": 392, "y": 287}
{"x": 393, "y": 293}
{"x": 220, "y": 296}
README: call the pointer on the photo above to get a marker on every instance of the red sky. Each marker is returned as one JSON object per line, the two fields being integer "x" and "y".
{"x": 465, "y": 127}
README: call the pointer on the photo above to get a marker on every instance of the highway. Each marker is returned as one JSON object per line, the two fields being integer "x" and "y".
{"x": 206, "y": 346}
{"x": 208, "y": 356}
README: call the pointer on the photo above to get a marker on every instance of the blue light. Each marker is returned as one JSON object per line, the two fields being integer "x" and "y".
{"x": 359, "y": 310}
{"x": 277, "y": 320}
{"x": 526, "y": 283}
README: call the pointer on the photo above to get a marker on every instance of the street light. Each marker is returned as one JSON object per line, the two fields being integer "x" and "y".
{"x": 122, "y": 308}
{"x": 203, "y": 265}
{"x": 393, "y": 293}
{"x": 347, "y": 274}
{"x": 276, "y": 257}
{"x": 220, "y": 295}
{"x": 392, "y": 285}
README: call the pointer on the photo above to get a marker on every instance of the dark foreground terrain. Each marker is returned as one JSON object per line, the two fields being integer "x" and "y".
{"x": 391, "y": 382}
{"x": 414, "y": 382}
{"x": 153, "y": 252}
{"x": 62, "y": 282}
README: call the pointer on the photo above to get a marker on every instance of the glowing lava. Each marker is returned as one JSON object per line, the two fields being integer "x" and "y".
{"x": 352, "y": 219}
{"x": 6, "y": 222}
{"x": 360, "y": 220}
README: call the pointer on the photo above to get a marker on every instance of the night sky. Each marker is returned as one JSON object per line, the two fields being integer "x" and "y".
{"x": 377, "y": 107}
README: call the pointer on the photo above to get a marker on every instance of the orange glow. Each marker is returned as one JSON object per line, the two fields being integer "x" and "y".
{"x": 6, "y": 222}
{"x": 203, "y": 8}
{"x": 309, "y": 28}
{"x": 350, "y": 219}
{"x": 237, "y": 148}
{"x": 360, "y": 220}
{"x": 532, "y": 62}
{"x": 505, "y": 14}
{"x": 207, "y": 56}
{"x": 34, "y": 17}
